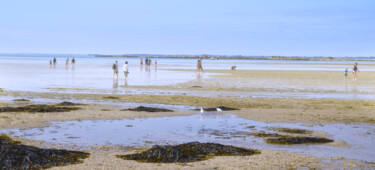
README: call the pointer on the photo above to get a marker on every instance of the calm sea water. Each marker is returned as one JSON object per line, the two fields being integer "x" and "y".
{"x": 34, "y": 73}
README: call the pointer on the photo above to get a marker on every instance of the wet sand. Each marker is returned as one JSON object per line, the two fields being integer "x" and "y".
{"x": 290, "y": 110}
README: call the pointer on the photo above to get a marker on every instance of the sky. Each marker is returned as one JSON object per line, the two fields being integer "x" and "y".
{"x": 218, "y": 27}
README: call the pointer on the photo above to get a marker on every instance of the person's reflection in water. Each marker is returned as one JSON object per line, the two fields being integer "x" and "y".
{"x": 115, "y": 83}
{"x": 126, "y": 79}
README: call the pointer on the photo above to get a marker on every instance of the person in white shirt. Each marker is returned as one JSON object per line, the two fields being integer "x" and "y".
{"x": 125, "y": 67}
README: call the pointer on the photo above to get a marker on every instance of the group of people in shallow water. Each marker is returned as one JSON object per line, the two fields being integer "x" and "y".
{"x": 54, "y": 61}
{"x": 355, "y": 71}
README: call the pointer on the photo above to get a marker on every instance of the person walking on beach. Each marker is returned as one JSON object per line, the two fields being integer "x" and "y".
{"x": 50, "y": 63}
{"x": 346, "y": 73}
{"x": 73, "y": 60}
{"x": 141, "y": 61}
{"x": 67, "y": 62}
{"x": 115, "y": 70}
{"x": 355, "y": 71}
{"x": 54, "y": 60}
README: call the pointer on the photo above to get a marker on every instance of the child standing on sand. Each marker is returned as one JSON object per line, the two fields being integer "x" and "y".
{"x": 346, "y": 73}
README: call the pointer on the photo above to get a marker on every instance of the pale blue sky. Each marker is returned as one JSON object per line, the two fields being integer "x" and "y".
{"x": 229, "y": 27}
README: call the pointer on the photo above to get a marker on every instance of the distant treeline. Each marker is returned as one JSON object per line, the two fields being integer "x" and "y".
{"x": 302, "y": 58}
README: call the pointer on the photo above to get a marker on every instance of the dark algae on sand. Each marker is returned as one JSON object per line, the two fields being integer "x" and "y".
{"x": 213, "y": 109}
{"x": 188, "y": 152}
{"x": 38, "y": 108}
{"x": 14, "y": 155}
{"x": 290, "y": 140}
{"x": 147, "y": 109}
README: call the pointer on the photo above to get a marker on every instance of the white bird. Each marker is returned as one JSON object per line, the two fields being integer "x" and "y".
{"x": 218, "y": 109}
{"x": 202, "y": 110}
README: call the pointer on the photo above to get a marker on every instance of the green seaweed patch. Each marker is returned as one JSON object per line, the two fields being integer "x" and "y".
{"x": 188, "y": 152}
{"x": 65, "y": 103}
{"x": 298, "y": 131}
{"x": 38, "y": 108}
{"x": 15, "y": 155}
{"x": 297, "y": 140}
{"x": 1, "y": 90}
{"x": 264, "y": 134}
{"x": 196, "y": 86}
{"x": 223, "y": 108}
{"x": 21, "y": 100}
{"x": 249, "y": 127}
{"x": 147, "y": 109}
{"x": 112, "y": 97}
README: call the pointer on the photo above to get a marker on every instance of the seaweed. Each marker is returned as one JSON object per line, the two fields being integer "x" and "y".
{"x": 211, "y": 109}
{"x": 196, "y": 86}
{"x": 188, "y": 152}
{"x": 250, "y": 127}
{"x": 288, "y": 140}
{"x": 290, "y": 130}
{"x": 21, "y": 100}
{"x": 264, "y": 134}
{"x": 15, "y": 155}
{"x": 38, "y": 108}
{"x": 147, "y": 109}
{"x": 111, "y": 97}
{"x": 65, "y": 103}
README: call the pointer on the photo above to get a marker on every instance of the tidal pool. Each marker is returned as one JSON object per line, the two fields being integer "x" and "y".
{"x": 207, "y": 127}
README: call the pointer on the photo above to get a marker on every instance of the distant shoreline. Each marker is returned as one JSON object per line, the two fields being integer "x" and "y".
{"x": 247, "y": 57}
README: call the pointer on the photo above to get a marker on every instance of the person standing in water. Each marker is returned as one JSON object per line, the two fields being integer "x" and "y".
{"x": 199, "y": 65}
{"x": 73, "y": 60}
{"x": 54, "y": 60}
{"x": 50, "y": 63}
{"x": 141, "y": 61}
{"x": 115, "y": 70}
{"x": 67, "y": 62}
{"x": 125, "y": 67}
{"x": 126, "y": 72}
{"x": 355, "y": 71}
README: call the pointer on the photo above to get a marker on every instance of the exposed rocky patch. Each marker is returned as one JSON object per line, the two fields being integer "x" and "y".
{"x": 38, "y": 108}
{"x": 188, "y": 152}
{"x": 65, "y": 103}
{"x": 14, "y": 155}
{"x": 288, "y": 140}
{"x": 147, "y": 109}
{"x": 290, "y": 130}
{"x": 21, "y": 100}
{"x": 111, "y": 97}
{"x": 212, "y": 109}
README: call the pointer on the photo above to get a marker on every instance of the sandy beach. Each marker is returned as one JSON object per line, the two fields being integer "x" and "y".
{"x": 270, "y": 96}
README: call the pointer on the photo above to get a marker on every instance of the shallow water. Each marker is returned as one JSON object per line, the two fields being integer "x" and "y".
{"x": 207, "y": 127}
{"x": 33, "y": 72}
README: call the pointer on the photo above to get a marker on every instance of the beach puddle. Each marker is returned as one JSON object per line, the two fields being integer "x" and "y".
{"x": 212, "y": 127}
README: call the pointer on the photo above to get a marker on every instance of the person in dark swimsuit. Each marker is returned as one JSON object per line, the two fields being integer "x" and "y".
{"x": 355, "y": 71}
